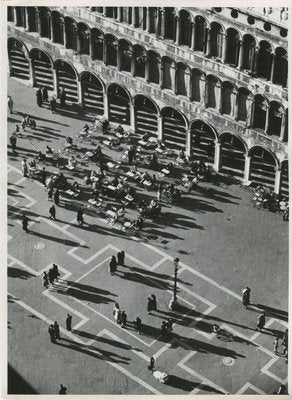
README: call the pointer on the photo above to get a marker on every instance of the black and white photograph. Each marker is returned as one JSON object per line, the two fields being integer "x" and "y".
{"x": 147, "y": 206}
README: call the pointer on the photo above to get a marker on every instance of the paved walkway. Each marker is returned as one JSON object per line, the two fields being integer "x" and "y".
{"x": 223, "y": 243}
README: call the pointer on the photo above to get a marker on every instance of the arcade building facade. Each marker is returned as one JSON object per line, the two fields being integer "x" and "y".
{"x": 190, "y": 76}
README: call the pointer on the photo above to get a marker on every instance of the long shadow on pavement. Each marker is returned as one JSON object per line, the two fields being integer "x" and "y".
{"x": 188, "y": 386}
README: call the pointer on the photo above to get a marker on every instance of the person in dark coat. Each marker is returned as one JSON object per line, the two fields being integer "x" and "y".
{"x": 25, "y": 223}
{"x": 124, "y": 319}
{"x": 105, "y": 125}
{"x": 53, "y": 104}
{"x": 57, "y": 197}
{"x": 151, "y": 364}
{"x": 50, "y": 193}
{"x": 246, "y": 296}
{"x": 79, "y": 217}
{"x": 121, "y": 257}
{"x": 154, "y": 302}
{"x": 39, "y": 97}
{"x": 52, "y": 212}
{"x": 56, "y": 272}
{"x": 57, "y": 330}
{"x": 63, "y": 389}
{"x": 43, "y": 176}
{"x": 261, "y": 322}
{"x": 51, "y": 276}
{"x": 13, "y": 141}
{"x": 45, "y": 280}
{"x": 163, "y": 328}
{"x": 51, "y": 331}
{"x": 113, "y": 265}
{"x": 45, "y": 93}
{"x": 63, "y": 97}
{"x": 69, "y": 322}
{"x": 138, "y": 324}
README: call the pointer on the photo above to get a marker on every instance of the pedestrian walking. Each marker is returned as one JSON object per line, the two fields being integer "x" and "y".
{"x": 261, "y": 322}
{"x": 45, "y": 280}
{"x": 112, "y": 265}
{"x": 116, "y": 311}
{"x": 17, "y": 129}
{"x": 43, "y": 176}
{"x": 169, "y": 324}
{"x": 276, "y": 345}
{"x": 138, "y": 324}
{"x": 52, "y": 333}
{"x": 44, "y": 93}
{"x": 51, "y": 276}
{"x": 63, "y": 97}
{"x": 52, "y": 211}
{"x": 63, "y": 389}
{"x": 57, "y": 197}
{"x": 149, "y": 304}
{"x": 57, "y": 330}
{"x": 154, "y": 302}
{"x": 124, "y": 319}
{"x": 13, "y": 141}
{"x": 163, "y": 328}
{"x": 246, "y": 296}
{"x": 121, "y": 257}
{"x": 151, "y": 364}
{"x": 69, "y": 322}
{"x": 39, "y": 97}
{"x": 10, "y": 104}
{"x": 24, "y": 167}
{"x": 56, "y": 272}
{"x": 53, "y": 104}
{"x": 33, "y": 124}
{"x": 25, "y": 223}
{"x": 79, "y": 217}
{"x": 119, "y": 317}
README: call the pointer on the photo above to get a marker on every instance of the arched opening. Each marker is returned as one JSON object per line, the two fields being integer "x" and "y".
{"x": 213, "y": 91}
{"x": 248, "y": 48}
{"x": 169, "y": 23}
{"x": 200, "y": 33}
{"x": 167, "y": 78}
{"x": 42, "y": 69}
{"x": 111, "y": 50}
{"x": 97, "y": 41}
{"x": 45, "y": 22}
{"x": 125, "y": 54}
{"x": 67, "y": 80}
{"x": 92, "y": 93}
{"x": 32, "y": 19}
{"x": 139, "y": 61}
{"x": 70, "y": 33}
{"x": 260, "y": 112}
{"x": 197, "y": 84}
{"x": 181, "y": 70}
{"x": 153, "y": 15}
{"x": 154, "y": 66}
{"x": 19, "y": 66}
{"x": 111, "y": 12}
{"x": 281, "y": 67}
{"x": 262, "y": 166}
{"x": 276, "y": 115}
{"x": 264, "y": 60}
{"x": 20, "y": 16}
{"x": 83, "y": 38}
{"x": 57, "y": 28}
{"x": 126, "y": 15}
{"x": 145, "y": 115}
{"x": 185, "y": 28}
{"x": 233, "y": 153}
{"x": 285, "y": 138}
{"x": 10, "y": 14}
{"x": 227, "y": 98}
{"x": 244, "y": 104}
{"x": 203, "y": 138}
{"x": 174, "y": 128}
{"x": 232, "y": 47}
{"x": 216, "y": 40}
{"x": 118, "y": 104}
{"x": 284, "y": 187}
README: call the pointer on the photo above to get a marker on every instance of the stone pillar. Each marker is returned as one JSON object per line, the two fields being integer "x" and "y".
{"x": 192, "y": 44}
{"x": 105, "y": 52}
{"x": 255, "y": 61}
{"x": 157, "y": 22}
{"x": 79, "y": 92}
{"x": 105, "y": 105}
{"x": 272, "y": 67}
{"x": 277, "y": 185}
{"x": 15, "y": 16}
{"x": 26, "y": 19}
{"x": 208, "y": 46}
{"x": 161, "y": 75}
{"x": 63, "y": 31}
{"x": 49, "y": 20}
{"x": 188, "y": 142}
{"x": 89, "y": 45}
{"x": 131, "y": 14}
{"x": 283, "y": 127}
{"x": 250, "y": 111}
{"x": 240, "y": 55}
{"x": 133, "y": 63}
{"x": 267, "y": 120}
{"x": 162, "y": 27}
{"x": 203, "y": 98}
{"x": 31, "y": 72}
{"x": 217, "y": 156}
{"x": 177, "y": 30}
{"x": 218, "y": 96}
{"x": 234, "y": 104}
{"x": 188, "y": 84}
{"x": 247, "y": 168}
{"x": 224, "y": 46}
{"x": 55, "y": 81}
{"x": 147, "y": 72}
{"x": 119, "y": 16}
{"x": 147, "y": 19}
{"x": 159, "y": 127}
{"x": 172, "y": 74}
{"x": 119, "y": 58}
{"x": 132, "y": 117}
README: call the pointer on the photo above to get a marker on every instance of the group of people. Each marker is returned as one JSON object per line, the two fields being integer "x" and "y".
{"x": 119, "y": 259}
{"x": 51, "y": 276}
{"x": 42, "y": 96}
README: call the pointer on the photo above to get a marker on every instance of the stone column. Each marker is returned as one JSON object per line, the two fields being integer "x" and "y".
{"x": 234, "y": 104}
{"x": 105, "y": 105}
{"x": 208, "y": 46}
{"x": 37, "y": 20}
{"x": 217, "y": 157}
{"x": 105, "y": 52}
{"x": 188, "y": 84}
{"x": 188, "y": 142}
{"x": 161, "y": 75}
{"x": 133, "y": 63}
{"x": 15, "y": 15}
{"x": 79, "y": 92}
{"x": 250, "y": 111}
{"x": 31, "y": 72}
{"x": 162, "y": 27}
{"x": 224, "y": 46}
{"x": 157, "y": 23}
{"x": 119, "y": 58}
{"x": 177, "y": 30}
{"x": 218, "y": 96}
{"x": 172, "y": 74}
{"x": 49, "y": 21}
{"x": 267, "y": 120}
{"x": 246, "y": 168}
{"x": 132, "y": 117}
{"x": 147, "y": 68}
{"x": 63, "y": 31}
{"x": 203, "y": 97}
{"x": 119, "y": 16}
{"x": 26, "y": 19}
{"x": 272, "y": 67}
{"x": 147, "y": 19}
{"x": 192, "y": 36}
{"x": 159, "y": 127}
{"x": 277, "y": 185}
{"x": 255, "y": 61}
{"x": 240, "y": 55}
{"x": 283, "y": 127}
{"x": 55, "y": 81}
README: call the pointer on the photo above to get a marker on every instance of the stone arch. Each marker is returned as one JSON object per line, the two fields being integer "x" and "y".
{"x": 232, "y": 46}
{"x": 83, "y": 38}
{"x": 185, "y": 27}
{"x": 18, "y": 59}
{"x": 42, "y": 66}
{"x": 216, "y": 39}
{"x": 203, "y": 138}
{"x": 67, "y": 78}
{"x": 233, "y": 152}
{"x": 154, "y": 66}
{"x": 119, "y": 100}
{"x": 174, "y": 126}
{"x": 97, "y": 44}
{"x": 263, "y": 166}
{"x": 146, "y": 115}
{"x": 93, "y": 89}
{"x": 281, "y": 67}
{"x": 261, "y": 105}
{"x": 200, "y": 33}
{"x": 248, "y": 49}
{"x": 168, "y": 69}
{"x": 264, "y": 62}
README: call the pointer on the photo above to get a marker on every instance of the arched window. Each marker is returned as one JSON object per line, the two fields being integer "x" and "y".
{"x": 260, "y": 112}
{"x": 281, "y": 67}
{"x": 197, "y": 81}
{"x": 97, "y": 43}
{"x": 70, "y": 31}
{"x": 216, "y": 40}
{"x": 32, "y": 19}
{"x": 57, "y": 28}
{"x": 232, "y": 47}
{"x": 154, "y": 66}
{"x": 139, "y": 61}
{"x": 83, "y": 34}
{"x": 200, "y": 33}
{"x": 153, "y": 15}
{"x": 185, "y": 28}
{"x": 212, "y": 91}
{"x": 167, "y": 76}
{"x": 125, "y": 54}
{"x": 276, "y": 115}
{"x": 20, "y": 16}
{"x": 243, "y": 104}
{"x": 264, "y": 60}
{"x": 10, "y": 14}
{"x": 249, "y": 45}
{"x": 45, "y": 22}
{"x": 111, "y": 12}
{"x": 111, "y": 50}
{"x": 227, "y": 98}
{"x": 181, "y": 84}
{"x": 169, "y": 23}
